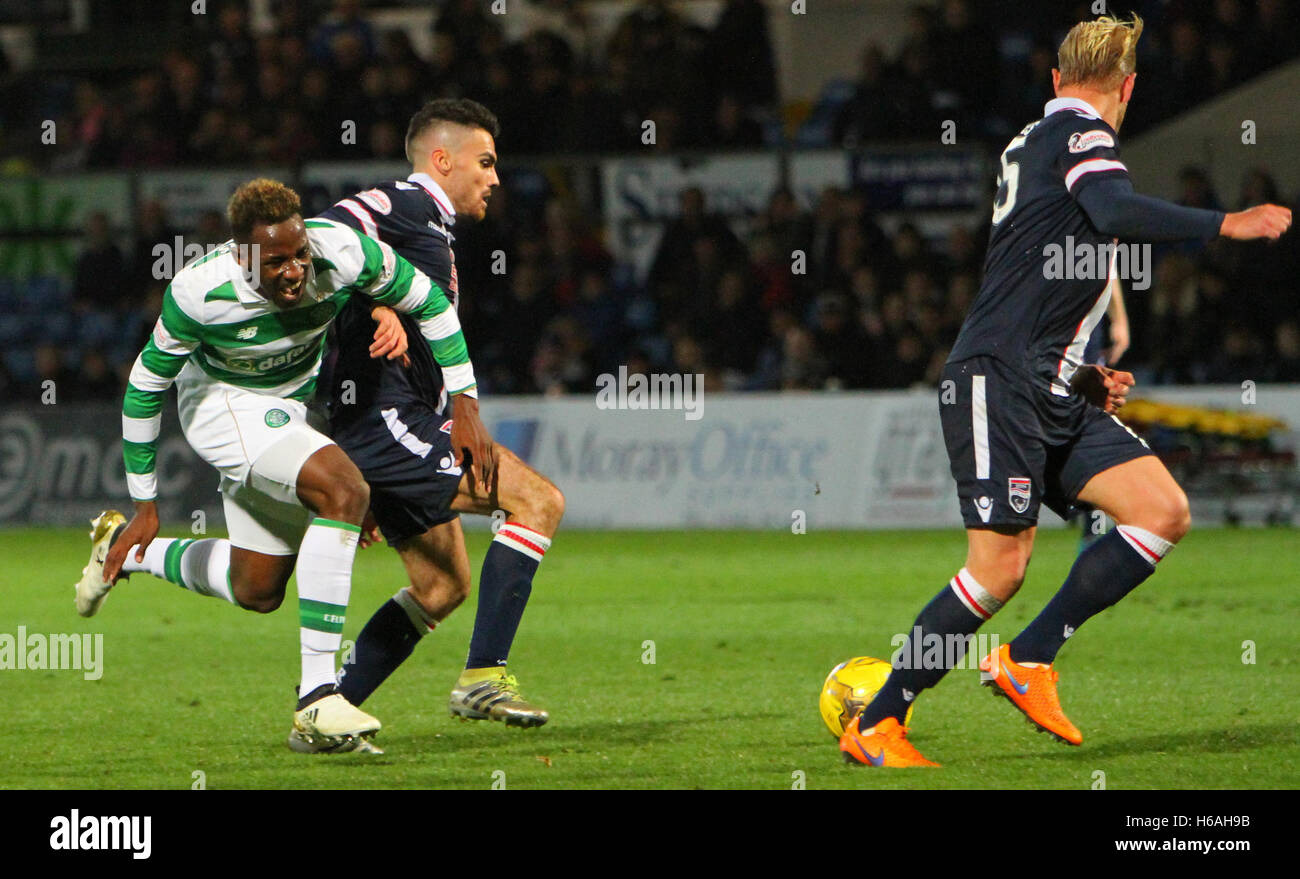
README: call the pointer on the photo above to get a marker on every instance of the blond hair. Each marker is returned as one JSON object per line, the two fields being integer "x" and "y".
{"x": 1099, "y": 53}
{"x": 258, "y": 202}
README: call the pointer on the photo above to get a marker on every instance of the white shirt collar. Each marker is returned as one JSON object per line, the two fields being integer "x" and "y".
{"x": 1056, "y": 105}
{"x": 436, "y": 193}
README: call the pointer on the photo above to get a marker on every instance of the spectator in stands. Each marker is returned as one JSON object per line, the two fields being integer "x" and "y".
{"x": 152, "y": 228}
{"x": 51, "y": 367}
{"x": 963, "y": 42}
{"x": 100, "y": 278}
{"x": 344, "y": 22}
{"x": 1239, "y": 357}
{"x": 10, "y": 391}
{"x": 1225, "y": 62}
{"x": 1186, "y": 75}
{"x": 732, "y": 128}
{"x": 873, "y": 113}
{"x": 839, "y": 337}
{"x": 95, "y": 379}
{"x": 804, "y": 367}
{"x": 735, "y": 327}
{"x": 211, "y": 229}
{"x": 739, "y": 52}
{"x": 1272, "y": 35}
{"x": 93, "y": 131}
{"x": 695, "y": 244}
{"x": 787, "y": 230}
{"x": 231, "y": 52}
{"x": 1286, "y": 352}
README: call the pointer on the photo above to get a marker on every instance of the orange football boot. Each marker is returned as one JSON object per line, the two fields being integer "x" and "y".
{"x": 1032, "y": 689}
{"x": 885, "y": 744}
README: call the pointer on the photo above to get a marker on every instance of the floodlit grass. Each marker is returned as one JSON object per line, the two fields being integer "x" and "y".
{"x": 744, "y": 628}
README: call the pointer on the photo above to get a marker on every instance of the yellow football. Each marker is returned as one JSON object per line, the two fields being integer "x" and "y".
{"x": 849, "y": 688}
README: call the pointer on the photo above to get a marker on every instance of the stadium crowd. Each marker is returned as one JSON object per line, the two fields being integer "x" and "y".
{"x": 873, "y": 309}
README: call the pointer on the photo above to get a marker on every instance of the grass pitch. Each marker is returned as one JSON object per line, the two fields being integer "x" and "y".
{"x": 744, "y": 627}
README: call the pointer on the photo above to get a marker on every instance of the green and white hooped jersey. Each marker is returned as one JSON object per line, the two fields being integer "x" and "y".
{"x": 214, "y": 319}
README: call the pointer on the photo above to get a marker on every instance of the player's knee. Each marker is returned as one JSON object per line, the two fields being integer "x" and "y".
{"x": 348, "y": 499}
{"x": 258, "y": 600}
{"x": 1175, "y": 517}
{"x": 457, "y": 592}
{"x": 553, "y": 504}
{"x": 1014, "y": 564}
{"x": 540, "y": 507}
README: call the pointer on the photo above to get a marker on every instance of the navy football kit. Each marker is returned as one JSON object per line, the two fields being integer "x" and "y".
{"x": 394, "y": 422}
{"x": 1017, "y": 436}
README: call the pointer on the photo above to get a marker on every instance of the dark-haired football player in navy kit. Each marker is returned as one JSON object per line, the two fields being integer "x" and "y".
{"x": 394, "y": 422}
{"x": 1027, "y": 421}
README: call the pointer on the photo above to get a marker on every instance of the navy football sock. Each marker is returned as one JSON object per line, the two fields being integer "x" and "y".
{"x": 958, "y": 611}
{"x": 386, "y": 641}
{"x": 504, "y": 586}
{"x": 1102, "y": 574}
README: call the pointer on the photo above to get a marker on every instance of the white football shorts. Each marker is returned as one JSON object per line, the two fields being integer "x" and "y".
{"x": 258, "y": 444}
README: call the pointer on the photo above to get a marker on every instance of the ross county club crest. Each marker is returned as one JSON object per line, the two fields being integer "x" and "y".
{"x": 1018, "y": 493}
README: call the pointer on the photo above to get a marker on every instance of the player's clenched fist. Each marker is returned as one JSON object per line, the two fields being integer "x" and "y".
{"x": 1262, "y": 221}
{"x": 1105, "y": 388}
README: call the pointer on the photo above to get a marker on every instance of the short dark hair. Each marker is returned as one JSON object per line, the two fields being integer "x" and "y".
{"x": 260, "y": 201}
{"x": 460, "y": 111}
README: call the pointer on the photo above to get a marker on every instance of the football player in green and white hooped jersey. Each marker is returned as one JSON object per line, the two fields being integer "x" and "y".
{"x": 244, "y": 359}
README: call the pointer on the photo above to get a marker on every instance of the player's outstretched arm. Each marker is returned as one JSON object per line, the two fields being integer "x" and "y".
{"x": 175, "y": 336}
{"x": 1262, "y": 221}
{"x": 1115, "y": 209}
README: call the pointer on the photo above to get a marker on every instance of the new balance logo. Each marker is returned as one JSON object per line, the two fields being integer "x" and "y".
{"x": 1069, "y": 630}
{"x": 246, "y": 333}
{"x": 908, "y": 695}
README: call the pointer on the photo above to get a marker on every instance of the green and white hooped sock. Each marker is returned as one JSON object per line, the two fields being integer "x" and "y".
{"x": 324, "y": 585}
{"x": 201, "y": 566}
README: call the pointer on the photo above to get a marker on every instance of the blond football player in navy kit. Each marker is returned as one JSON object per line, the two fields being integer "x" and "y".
{"x": 1029, "y": 422}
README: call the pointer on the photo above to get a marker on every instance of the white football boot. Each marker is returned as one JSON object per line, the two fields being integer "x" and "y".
{"x": 332, "y": 725}
{"x": 91, "y": 588}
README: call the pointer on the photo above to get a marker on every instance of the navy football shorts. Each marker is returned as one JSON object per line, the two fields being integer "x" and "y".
{"x": 405, "y": 455}
{"x": 1013, "y": 446}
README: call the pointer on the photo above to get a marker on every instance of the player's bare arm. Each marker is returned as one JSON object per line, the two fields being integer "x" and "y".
{"x": 469, "y": 436}
{"x": 1120, "y": 337}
